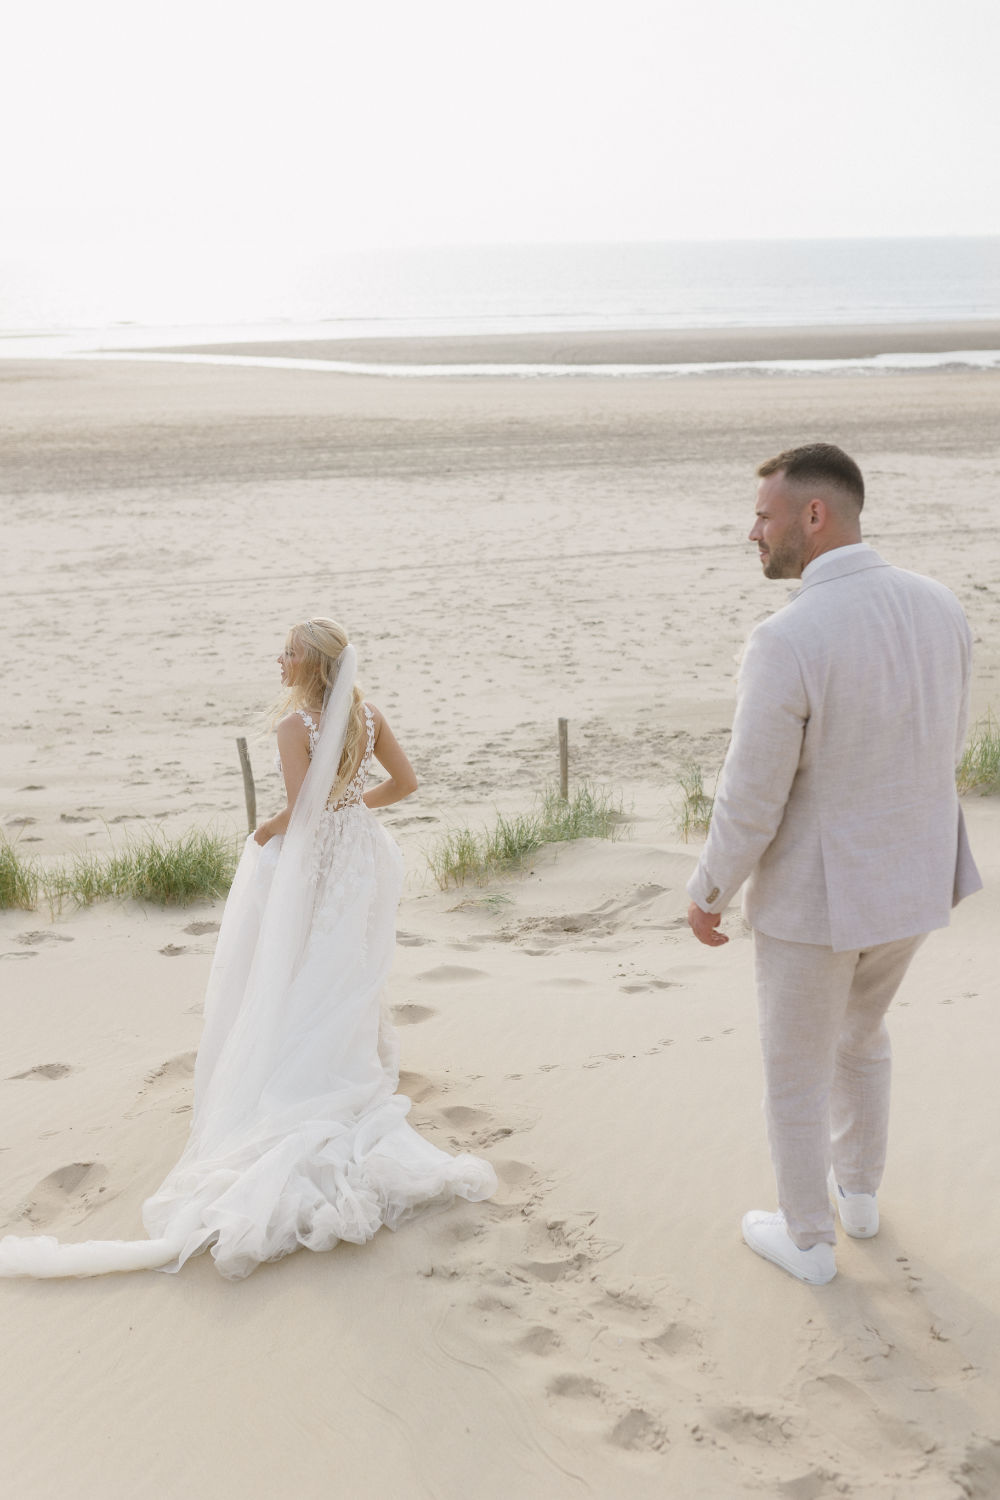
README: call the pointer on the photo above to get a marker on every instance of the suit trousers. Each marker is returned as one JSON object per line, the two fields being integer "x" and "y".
{"x": 827, "y": 1065}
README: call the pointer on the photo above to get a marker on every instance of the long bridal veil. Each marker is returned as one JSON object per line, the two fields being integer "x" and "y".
{"x": 297, "y": 1135}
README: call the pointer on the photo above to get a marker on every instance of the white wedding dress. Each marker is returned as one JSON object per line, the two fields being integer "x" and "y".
{"x": 298, "y": 1137}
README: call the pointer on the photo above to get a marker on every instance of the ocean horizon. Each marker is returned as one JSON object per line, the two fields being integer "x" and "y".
{"x": 515, "y": 288}
{"x": 456, "y": 291}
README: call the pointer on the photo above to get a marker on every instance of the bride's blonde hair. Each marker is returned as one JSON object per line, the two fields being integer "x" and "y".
{"x": 320, "y": 642}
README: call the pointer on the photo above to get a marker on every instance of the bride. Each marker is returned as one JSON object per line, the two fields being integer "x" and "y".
{"x": 298, "y": 1136}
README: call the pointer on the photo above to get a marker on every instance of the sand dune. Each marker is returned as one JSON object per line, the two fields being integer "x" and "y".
{"x": 504, "y": 554}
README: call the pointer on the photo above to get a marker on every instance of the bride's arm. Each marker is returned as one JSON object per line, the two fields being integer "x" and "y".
{"x": 389, "y": 753}
{"x": 293, "y": 747}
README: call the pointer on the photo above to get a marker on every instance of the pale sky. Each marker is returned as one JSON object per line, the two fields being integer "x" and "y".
{"x": 385, "y": 122}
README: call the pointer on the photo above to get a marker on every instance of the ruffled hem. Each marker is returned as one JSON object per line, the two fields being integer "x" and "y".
{"x": 311, "y": 1189}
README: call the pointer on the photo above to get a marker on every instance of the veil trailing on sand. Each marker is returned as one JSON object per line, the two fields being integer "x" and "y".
{"x": 240, "y": 1115}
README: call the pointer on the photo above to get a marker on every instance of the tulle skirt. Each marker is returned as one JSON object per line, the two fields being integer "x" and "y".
{"x": 298, "y": 1136}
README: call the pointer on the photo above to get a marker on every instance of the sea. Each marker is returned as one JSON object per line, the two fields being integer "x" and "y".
{"x": 111, "y": 303}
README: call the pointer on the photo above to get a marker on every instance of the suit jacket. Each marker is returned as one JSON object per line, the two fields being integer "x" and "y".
{"x": 837, "y": 797}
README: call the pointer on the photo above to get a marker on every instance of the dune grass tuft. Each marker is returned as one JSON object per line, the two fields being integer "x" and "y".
{"x": 197, "y": 866}
{"x": 461, "y": 855}
{"x": 695, "y": 812}
{"x": 18, "y": 879}
{"x": 979, "y": 768}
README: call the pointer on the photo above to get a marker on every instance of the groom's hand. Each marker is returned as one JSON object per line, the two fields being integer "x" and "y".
{"x": 704, "y": 925}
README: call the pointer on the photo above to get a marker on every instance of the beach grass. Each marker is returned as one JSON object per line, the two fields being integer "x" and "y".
{"x": 979, "y": 768}
{"x": 695, "y": 813}
{"x": 18, "y": 879}
{"x": 464, "y": 855}
{"x": 197, "y": 866}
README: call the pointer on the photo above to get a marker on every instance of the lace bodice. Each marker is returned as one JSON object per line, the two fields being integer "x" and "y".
{"x": 354, "y": 790}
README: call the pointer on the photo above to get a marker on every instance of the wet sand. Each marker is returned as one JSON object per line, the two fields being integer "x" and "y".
{"x": 665, "y": 346}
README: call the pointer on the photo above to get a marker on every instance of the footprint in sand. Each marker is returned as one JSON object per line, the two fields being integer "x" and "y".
{"x": 980, "y": 1468}
{"x": 639, "y": 1431}
{"x": 198, "y": 929}
{"x": 458, "y": 1230}
{"x": 519, "y": 1189}
{"x": 173, "y": 1076}
{"x": 70, "y": 1187}
{"x": 641, "y": 896}
{"x": 45, "y": 1070}
{"x": 410, "y": 940}
{"x": 628, "y": 1313}
{"x": 411, "y": 1015}
{"x": 172, "y": 950}
{"x": 450, "y": 974}
{"x": 677, "y": 1338}
{"x": 557, "y": 1269}
{"x": 544, "y": 1293}
{"x": 174, "y": 1070}
{"x": 466, "y": 1115}
{"x": 576, "y": 1388}
{"x": 848, "y": 1411}
{"x": 565, "y": 1248}
{"x": 635, "y": 1428}
{"x": 538, "y": 1340}
{"x": 750, "y": 1425}
{"x": 514, "y": 1174}
{"x": 475, "y": 1127}
{"x": 32, "y": 939}
{"x": 418, "y": 1088}
{"x": 649, "y": 984}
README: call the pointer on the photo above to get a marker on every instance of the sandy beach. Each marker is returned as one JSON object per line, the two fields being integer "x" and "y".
{"x": 504, "y": 552}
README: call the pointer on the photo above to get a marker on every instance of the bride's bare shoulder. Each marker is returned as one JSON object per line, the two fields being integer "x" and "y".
{"x": 291, "y": 729}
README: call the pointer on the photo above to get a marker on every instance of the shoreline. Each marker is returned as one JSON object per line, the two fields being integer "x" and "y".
{"x": 642, "y": 347}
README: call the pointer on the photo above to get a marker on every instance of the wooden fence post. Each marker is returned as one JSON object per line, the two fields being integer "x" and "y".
{"x": 564, "y": 759}
{"x": 249, "y": 790}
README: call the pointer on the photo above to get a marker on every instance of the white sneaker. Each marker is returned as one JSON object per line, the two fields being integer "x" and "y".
{"x": 858, "y": 1211}
{"x": 768, "y": 1235}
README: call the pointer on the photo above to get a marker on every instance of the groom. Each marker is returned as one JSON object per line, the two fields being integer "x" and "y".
{"x": 837, "y": 799}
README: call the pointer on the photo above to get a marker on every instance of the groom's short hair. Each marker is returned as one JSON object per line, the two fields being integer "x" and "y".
{"x": 818, "y": 463}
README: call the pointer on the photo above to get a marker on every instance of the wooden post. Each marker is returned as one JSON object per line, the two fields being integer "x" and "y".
{"x": 249, "y": 790}
{"x": 564, "y": 759}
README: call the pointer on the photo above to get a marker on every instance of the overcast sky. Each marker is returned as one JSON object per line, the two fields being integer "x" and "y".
{"x": 385, "y": 122}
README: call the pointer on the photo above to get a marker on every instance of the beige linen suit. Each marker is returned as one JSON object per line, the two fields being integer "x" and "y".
{"x": 837, "y": 806}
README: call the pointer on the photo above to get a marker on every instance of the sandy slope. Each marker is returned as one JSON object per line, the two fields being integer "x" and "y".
{"x": 505, "y": 553}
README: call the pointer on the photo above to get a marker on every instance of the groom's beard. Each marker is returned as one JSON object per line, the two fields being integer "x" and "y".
{"x": 785, "y": 559}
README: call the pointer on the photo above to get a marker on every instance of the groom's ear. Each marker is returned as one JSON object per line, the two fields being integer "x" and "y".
{"x": 815, "y": 516}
